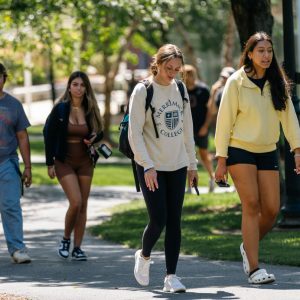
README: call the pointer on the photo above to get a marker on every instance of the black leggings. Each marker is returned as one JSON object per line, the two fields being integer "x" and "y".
{"x": 164, "y": 209}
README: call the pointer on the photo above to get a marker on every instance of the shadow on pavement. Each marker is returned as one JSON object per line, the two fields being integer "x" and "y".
{"x": 110, "y": 266}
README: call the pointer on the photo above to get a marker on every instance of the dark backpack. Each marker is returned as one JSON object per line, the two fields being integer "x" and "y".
{"x": 124, "y": 146}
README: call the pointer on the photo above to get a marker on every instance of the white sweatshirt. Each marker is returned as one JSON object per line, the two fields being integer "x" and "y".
{"x": 174, "y": 149}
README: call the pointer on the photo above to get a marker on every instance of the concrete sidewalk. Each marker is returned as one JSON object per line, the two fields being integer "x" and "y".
{"x": 108, "y": 274}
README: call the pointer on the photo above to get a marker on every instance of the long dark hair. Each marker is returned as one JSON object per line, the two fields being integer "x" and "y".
{"x": 3, "y": 72}
{"x": 89, "y": 100}
{"x": 279, "y": 82}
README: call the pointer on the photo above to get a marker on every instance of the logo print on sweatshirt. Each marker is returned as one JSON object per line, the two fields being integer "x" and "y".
{"x": 172, "y": 119}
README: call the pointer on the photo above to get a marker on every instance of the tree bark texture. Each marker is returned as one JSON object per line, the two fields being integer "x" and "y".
{"x": 51, "y": 74}
{"x": 228, "y": 44}
{"x": 111, "y": 71}
{"x": 252, "y": 16}
{"x": 188, "y": 47}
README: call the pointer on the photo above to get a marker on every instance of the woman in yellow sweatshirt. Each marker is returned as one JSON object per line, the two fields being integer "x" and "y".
{"x": 255, "y": 101}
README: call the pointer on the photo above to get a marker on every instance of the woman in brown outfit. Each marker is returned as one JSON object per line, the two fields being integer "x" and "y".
{"x": 74, "y": 124}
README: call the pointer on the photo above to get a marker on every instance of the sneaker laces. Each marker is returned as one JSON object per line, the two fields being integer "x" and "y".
{"x": 78, "y": 251}
{"x": 147, "y": 263}
{"x": 174, "y": 280}
{"x": 65, "y": 245}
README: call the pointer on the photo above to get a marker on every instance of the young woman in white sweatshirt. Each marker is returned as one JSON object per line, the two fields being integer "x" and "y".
{"x": 162, "y": 162}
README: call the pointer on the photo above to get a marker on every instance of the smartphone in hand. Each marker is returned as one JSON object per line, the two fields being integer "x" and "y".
{"x": 222, "y": 183}
{"x": 195, "y": 187}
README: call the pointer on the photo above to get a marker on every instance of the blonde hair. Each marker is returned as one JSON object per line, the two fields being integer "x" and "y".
{"x": 90, "y": 104}
{"x": 189, "y": 69}
{"x": 164, "y": 54}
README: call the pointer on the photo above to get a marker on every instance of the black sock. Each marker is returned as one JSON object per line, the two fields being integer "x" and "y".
{"x": 252, "y": 272}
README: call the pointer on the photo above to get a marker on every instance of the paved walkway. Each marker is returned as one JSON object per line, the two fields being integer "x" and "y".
{"x": 107, "y": 275}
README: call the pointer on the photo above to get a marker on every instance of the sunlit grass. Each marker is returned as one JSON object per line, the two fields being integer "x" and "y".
{"x": 210, "y": 229}
{"x": 104, "y": 175}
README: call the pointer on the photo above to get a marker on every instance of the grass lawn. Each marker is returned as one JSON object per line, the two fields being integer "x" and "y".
{"x": 104, "y": 174}
{"x": 210, "y": 229}
{"x": 36, "y": 130}
{"x": 37, "y": 142}
{"x": 210, "y": 224}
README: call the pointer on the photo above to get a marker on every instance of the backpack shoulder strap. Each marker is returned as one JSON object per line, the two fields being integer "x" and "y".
{"x": 181, "y": 90}
{"x": 149, "y": 88}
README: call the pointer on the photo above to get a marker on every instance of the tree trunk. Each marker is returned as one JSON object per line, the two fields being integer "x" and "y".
{"x": 252, "y": 16}
{"x": 83, "y": 44}
{"x": 111, "y": 71}
{"x": 51, "y": 72}
{"x": 229, "y": 42}
{"x": 189, "y": 49}
{"x": 108, "y": 86}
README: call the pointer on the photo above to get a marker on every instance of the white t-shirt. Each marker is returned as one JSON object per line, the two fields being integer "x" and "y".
{"x": 174, "y": 149}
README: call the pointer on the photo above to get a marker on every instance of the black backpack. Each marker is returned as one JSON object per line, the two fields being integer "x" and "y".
{"x": 124, "y": 146}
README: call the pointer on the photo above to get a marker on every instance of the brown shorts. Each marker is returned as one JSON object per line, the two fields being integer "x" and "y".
{"x": 77, "y": 162}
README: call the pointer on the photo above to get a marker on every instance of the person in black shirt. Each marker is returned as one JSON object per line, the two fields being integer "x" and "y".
{"x": 201, "y": 114}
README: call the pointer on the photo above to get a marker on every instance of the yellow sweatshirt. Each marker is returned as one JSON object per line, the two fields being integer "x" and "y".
{"x": 248, "y": 120}
{"x": 174, "y": 149}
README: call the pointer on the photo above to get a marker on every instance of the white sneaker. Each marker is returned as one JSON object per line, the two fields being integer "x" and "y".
{"x": 64, "y": 248}
{"x": 141, "y": 268}
{"x": 21, "y": 256}
{"x": 172, "y": 284}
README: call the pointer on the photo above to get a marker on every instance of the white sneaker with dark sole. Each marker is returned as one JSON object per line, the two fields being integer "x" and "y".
{"x": 64, "y": 248}
{"x": 78, "y": 254}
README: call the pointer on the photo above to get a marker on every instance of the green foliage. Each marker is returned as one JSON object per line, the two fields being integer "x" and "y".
{"x": 210, "y": 229}
{"x": 37, "y": 26}
{"x": 91, "y": 28}
{"x": 104, "y": 174}
{"x": 205, "y": 21}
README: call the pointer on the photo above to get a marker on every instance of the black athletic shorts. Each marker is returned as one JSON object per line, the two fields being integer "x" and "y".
{"x": 263, "y": 161}
{"x": 201, "y": 141}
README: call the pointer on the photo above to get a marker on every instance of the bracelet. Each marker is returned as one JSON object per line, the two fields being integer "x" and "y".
{"x": 145, "y": 171}
{"x": 27, "y": 168}
{"x": 297, "y": 155}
